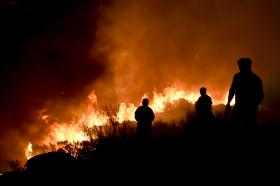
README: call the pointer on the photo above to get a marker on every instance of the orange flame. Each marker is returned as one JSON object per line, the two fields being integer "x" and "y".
{"x": 68, "y": 133}
{"x": 169, "y": 96}
{"x": 160, "y": 101}
{"x": 126, "y": 112}
{"x": 29, "y": 151}
{"x": 71, "y": 132}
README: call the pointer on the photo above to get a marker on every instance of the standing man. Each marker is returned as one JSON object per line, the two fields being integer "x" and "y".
{"x": 144, "y": 116}
{"x": 203, "y": 107}
{"x": 248, "y": 91}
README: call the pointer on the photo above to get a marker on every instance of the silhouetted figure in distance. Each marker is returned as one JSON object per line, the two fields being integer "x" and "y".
{"x": 248, "y": 91}
{"x": 203, "y": 107}
{"x": 144, "y": 116}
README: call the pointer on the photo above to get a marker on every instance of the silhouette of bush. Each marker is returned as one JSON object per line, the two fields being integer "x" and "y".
{"x": 115, "y": 147}
{"x": 15, "y": 165}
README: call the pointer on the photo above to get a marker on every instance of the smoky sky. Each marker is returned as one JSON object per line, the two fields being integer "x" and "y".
{"x": 52, "y": 49}
{"x": 151, "y": 43}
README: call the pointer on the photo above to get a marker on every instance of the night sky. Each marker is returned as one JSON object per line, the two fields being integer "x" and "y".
{"x": 44, "y": 53}
{"x": 61, "y": 49}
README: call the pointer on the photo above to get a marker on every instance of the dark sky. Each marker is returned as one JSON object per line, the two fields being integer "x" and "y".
{"x": 44, "y": 53}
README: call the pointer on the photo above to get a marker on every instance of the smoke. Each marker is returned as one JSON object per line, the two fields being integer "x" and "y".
{"x": 152, "y": 43}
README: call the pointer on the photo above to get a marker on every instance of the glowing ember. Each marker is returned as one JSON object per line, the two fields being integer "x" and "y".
{"x": 29, "y": 151}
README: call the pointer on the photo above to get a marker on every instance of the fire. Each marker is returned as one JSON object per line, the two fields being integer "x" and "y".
{"x": 160, "y": 101}
{"x": 29, "y": 151}
{"x": 92, "y": 98}
{"x": 169, "y": 96}
{"x": 93, "y": 118}
{"x": 72, "y": 131}
{"x": 126, "y": 112}
{"x": 43, "y": 116}
{"x": 69, "y": 133}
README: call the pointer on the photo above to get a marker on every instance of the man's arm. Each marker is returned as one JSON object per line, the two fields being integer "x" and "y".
{"x": 232, "y": 90}
{"x": 261, "y": 95}
{"x": 230, "y": 95}
{"x": 151, "y": 114}
{"x": 136, "y": 114}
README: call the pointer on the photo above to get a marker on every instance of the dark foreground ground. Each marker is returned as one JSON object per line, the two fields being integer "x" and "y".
{"x": 216, "y": 152}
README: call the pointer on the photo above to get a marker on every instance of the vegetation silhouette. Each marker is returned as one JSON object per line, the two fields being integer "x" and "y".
{"x": 172, "y": 149}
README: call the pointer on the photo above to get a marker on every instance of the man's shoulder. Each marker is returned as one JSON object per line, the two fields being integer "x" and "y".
{"x": 143, "y": 108}
{"x": 200, "y": 98}
{"x": 255, "y": 76}
{"x": 139, "y": 108}
{"x": 150, "y": 108}
{"x": 208, "y": 97}
{"x": 237, "y": 75}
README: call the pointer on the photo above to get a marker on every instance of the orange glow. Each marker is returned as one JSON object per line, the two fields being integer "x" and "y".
{"x": 43, "y": 116}
{"x": 29, "y": 151}
{"x": 92, "y": 98}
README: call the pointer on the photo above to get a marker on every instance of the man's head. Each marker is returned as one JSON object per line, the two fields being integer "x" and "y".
{"x": 203, "y": 91}
{"x": 244, "y": 65}
{"x": 145, "y": 102}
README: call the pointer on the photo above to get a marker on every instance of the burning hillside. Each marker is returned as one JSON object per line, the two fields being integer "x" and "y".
{"x": 61, "y": 132}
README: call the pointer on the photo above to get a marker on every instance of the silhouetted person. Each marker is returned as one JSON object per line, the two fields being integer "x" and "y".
{"x": 144, "y": 116}
{"x": 248, "y": 91}
{"x": 203, "y": 107}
